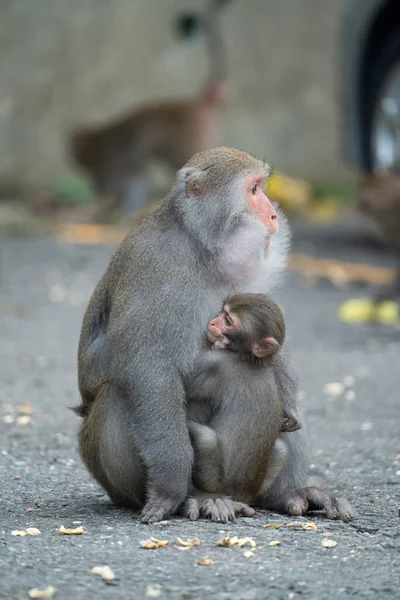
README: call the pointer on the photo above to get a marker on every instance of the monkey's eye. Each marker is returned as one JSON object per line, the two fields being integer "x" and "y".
{"x": 228, "y": 321}
{"x": 254, "y": 188}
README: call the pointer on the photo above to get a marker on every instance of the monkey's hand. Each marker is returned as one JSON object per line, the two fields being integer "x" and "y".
{"x": 216, "y": 507}
{"x": 298, "y": 502}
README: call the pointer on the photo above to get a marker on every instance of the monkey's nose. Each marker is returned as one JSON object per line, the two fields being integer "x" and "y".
{"x": 273, "y": 221}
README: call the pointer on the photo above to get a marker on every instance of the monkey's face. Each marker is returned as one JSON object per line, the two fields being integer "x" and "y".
{"x": 221, "y": 327}
{"x": 259, "y": 204}
{"x": 249, "y": 336}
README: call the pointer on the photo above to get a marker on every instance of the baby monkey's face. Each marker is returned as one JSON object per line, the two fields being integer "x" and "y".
{"x": 242, "y": 331}
{"x": 219, "y": 328}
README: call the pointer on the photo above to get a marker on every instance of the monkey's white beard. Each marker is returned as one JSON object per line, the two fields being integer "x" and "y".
{"x": 274, "y": 260}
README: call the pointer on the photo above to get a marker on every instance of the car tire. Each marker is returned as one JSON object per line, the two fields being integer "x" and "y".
{"x": 385, "y": 64}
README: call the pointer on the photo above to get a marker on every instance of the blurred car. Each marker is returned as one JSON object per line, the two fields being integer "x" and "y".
{"x": 370, "y": 83}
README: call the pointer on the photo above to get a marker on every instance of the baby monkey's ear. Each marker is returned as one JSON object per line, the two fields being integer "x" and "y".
{"x": 265, "y": 347}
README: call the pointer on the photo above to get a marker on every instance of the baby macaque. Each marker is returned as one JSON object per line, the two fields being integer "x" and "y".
{"x": 235, "y": 413}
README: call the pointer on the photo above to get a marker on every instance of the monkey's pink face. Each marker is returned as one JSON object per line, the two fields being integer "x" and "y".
{"x": 260, "y": 204}
{"x": 218, "y": 327}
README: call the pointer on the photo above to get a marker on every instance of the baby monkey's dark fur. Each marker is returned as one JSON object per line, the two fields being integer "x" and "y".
{"x": 234, "y": 408}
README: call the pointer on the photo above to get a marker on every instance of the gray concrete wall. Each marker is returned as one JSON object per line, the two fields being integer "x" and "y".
{"x": 66, "y": 62}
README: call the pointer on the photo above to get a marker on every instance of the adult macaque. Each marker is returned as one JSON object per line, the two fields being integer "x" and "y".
{"x": 116, "y": 155}
{"x": 234, "y": 410}
{"x": 379, "y": 198}
{"x": 215, "y": 234}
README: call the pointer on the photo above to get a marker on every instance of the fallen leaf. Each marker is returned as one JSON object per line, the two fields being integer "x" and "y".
{"x": 105, "y": 572}
{"x": 190, "y": 542}
{"x": 334, "y": 389}
{"x": 76, "y": 531}
{"x": 181, "y": 547}
{"x": 327, "y": 543}
{"x": 248, "y": 554}
{"x": 365, "y": 309}
{"x": 23, "y": 420}
{"x": 205, "y": 562}
{"x": 33, "y": 531}
{"x": 274, "y": 543}
{"x": 46, "y": 593}
{"x": 274, "y": 526}
{"x": 153, "y": 543}
{"x": 8, "y": 419}
{"x": 309, "y": 526}
{"x": 25, "y": 409}
{"x": 17, "y": 532}
{"x": 327, "y": 268}
{"x": 29, "y": 510}
{"x": 294, "y": 524}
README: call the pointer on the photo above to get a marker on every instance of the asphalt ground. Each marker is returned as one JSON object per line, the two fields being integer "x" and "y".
{"x": 44, "y": 288}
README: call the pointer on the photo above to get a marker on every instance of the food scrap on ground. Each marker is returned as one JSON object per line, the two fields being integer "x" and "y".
{"x": 228, "y": 542}
{"x": 334, "y": 389}
{"x": 186, "y": 545}
{"x": 48, "y": 592}
{"x": 309, "y": 527}
{"x": 23, "y": 420}
{"x": 205, "y": 562}
{"x": 77, "y": 531}
{"x": 328, "y": 543}
{"x": 153, "y": 543}
{"x": 104, "y": 572}
{"x": 25, "y": 409}
{"x": 23, "y": 532}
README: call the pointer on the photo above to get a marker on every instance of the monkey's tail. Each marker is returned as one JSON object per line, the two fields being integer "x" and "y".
{"x": 79, "y": 410}
{"x": 214, "y": 89}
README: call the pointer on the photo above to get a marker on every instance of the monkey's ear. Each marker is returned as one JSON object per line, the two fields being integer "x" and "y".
{"x": 192, "y": 181}
{"x": 265, "y": 347}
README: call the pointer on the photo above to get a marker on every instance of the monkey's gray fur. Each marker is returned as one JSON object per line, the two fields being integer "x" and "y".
{"x": 144, "y": 328}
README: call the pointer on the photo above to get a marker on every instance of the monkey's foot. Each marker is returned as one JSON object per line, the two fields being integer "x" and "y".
{"x": 216, "y": 507}
{"x": 298, "y": 502}
{"x": 158, "y": 508}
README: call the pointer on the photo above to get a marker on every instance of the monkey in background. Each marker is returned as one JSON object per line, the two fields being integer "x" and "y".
{"x": 379, "y": 199}
{"x": 234, "y": 410}
{"x": 116, "y": 155}
{"x": 215, "y": 234}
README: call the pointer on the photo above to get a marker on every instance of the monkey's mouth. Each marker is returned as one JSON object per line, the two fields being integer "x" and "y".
{"x": 213, "y": 338}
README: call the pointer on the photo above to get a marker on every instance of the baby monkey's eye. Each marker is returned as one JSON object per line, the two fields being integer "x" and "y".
{"x": 228, "y": 321}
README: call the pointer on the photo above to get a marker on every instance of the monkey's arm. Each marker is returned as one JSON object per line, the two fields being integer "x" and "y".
{"x": 286, "y": 381}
